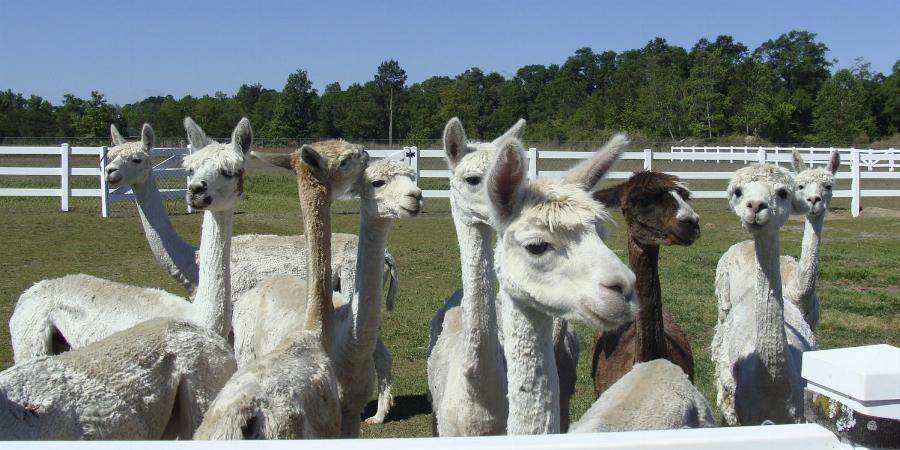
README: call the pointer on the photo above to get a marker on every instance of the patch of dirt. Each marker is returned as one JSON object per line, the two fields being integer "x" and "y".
{"x": 875, "y": 211}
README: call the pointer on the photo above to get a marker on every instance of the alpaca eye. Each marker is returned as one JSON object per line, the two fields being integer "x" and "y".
{"x": 344, "y": 162}
{"x": 783, "y": 193}
{"x": 538, "y": 249}
{"x": 137, "y": 160}
{"x": 828, "y": 187}
{"x": 378, "y": 183}
{"x": 800, "y": 187}
{"x": 473, "y": 180}
{"x": 227, "y": 174}
{"x": 738, "y": 193}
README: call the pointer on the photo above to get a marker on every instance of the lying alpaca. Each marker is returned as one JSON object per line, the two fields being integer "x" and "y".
{"x": 152, "y": 381}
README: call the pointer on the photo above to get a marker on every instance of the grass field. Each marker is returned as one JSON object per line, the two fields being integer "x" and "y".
{"x": 859, "y": 282}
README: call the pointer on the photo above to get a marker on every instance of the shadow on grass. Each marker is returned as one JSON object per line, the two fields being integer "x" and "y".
{"x": 405, "y": 407}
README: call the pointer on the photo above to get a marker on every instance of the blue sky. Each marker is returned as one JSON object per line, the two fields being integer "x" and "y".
{"x": 130, "y": 50}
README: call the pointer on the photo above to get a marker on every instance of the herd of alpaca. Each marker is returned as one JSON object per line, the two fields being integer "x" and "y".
{"x": 280, "y": 336}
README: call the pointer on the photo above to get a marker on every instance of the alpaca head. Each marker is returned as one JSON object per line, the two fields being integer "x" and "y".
{"x": 388, "y": 190}
{"x": 762, "y": 196}
{"x": 550, "y": 252}
{"x": 128, "y": 163}
{"x": 815, "y": 184}
{"x": 468, "y": 163}
{"x": 655, "y": 208}
{"x": 217, "y": 170}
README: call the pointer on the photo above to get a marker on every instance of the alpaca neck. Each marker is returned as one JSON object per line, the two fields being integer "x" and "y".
{"x": 176, "y": 256}
{"x": 650, "y": 340}
{"x": 533, "y": 389}
{"x": 769, "y": 307}
{"x": 212, "y": 302}
{"x": 366, "y": 303}
{"x": 314, "y": 201}
{"x": 803, "y": 286}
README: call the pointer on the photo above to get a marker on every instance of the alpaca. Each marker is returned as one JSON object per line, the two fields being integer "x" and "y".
{"x": 758, "y": 342}
{"x": 387, "y": 191}
{"x": 554, "y": 263}
{"x": 152, "y": 381}
{"x": 75, "y": 310}
{"x": 814, "y": 190}
{"x": 656, "y": 213}
{"x": 292, "y": 391}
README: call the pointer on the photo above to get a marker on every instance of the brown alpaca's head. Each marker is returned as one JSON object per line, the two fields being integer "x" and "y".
{"x": 655, "y": 208}
{"x": 334, "y": 165}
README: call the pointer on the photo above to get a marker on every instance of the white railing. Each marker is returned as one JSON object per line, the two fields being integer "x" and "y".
{"x": 855, "y": 159}
{"x": 169, "y": 167}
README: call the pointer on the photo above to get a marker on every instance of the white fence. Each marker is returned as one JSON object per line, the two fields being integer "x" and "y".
{"x": 878, "y": 165}
{"x": 168, "y": 167}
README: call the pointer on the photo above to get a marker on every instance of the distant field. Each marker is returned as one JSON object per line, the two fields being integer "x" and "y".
{"x": 859, "y": 283}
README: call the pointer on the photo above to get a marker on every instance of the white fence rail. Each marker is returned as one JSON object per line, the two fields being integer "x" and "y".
{"x": 168, "y": 167}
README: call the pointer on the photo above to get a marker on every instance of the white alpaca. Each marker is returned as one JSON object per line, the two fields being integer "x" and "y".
{"x": 759, "y": 340}
{"x": 814, "y": 189}
{"x": 292, "y": 391}
{"x": 387, "y": 191}
{"x": 152, "y": 381}
{"x": 75, "y": 310}
{"x": 554, "y": 263}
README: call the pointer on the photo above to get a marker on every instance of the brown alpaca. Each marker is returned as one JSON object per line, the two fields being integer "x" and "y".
{"x": 656, "y": 212}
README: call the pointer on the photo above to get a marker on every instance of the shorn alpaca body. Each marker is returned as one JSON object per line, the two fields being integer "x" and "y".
{"x": 656, "y": 213}
{"x": 759, "y": 341}
{"x": 551, "y": 261}
{"x": 75, "y": 310}
{"x": 151, "y": 381}
{"x": 292, "y": 392}
{"x": 387, "y": 191}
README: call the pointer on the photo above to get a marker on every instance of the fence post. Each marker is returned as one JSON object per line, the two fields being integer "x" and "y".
{"x": 104, "y": 189}
{"x": 532, "y": 163}
{"x": 65, "y": 188}
{"x": 854, "y": 186}
{"x": 890, "y": 155}
{"x": 648, "y": 159}
{"x": 761, "y": 155}
{"x": 187, "y": 180}
{"x": 414, "y": 161}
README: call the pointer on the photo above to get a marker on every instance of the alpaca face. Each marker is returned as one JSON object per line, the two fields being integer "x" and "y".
{"x": 550, "y": 253}
{"x": 128, "y": 163}
{"x": 335, "y": 165}
{"x": 217, "y": 170}
{"x": 815, "y": 185}
{"x": 388, "y": 190}
{"x": 762, "y": 196}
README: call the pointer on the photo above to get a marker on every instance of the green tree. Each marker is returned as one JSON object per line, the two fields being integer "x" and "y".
{"x": 760, "y": 107}
{"x": 95, "y": 120}
{"x": 294, "y": 114}
{"x": 842, "y": 114}
{"x": 390, "y": 80}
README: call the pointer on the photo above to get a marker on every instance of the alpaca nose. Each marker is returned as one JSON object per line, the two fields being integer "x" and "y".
{"x": 814, "y": 199}
{"x": 197, "y": 188}
{"x": 417, "y": 194}
{"x": 757, "y": 205}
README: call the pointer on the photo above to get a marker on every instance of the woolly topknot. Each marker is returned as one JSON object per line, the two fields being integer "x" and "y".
{"x": 225, "y": 156}
{"x": 769, "y": 173}
{"x": 388, "y": 168}
{"x": 127, "y": 150}
{"x": 561, "y": 207}
{"x": 815, "y": 175}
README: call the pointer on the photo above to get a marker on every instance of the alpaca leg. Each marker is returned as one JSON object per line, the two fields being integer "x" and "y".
{"x": 383, "y": 363}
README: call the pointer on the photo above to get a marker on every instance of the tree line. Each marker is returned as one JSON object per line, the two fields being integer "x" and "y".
{"x": 718, "y": 91}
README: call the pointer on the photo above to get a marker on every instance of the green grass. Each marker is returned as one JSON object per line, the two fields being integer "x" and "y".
{"x": 859, "y": 286}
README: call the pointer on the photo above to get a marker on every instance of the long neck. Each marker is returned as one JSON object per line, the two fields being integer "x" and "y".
{"x": 212, "y": 303}
{"x": 366, "y": 303}
{"x": 650, "y": 340}
{"x": 533, "y": 390}
{"x": 171, "y": 251}
{"x": 803, "y": 285}
{"x": 314, "y": 200}
{"x": 769, "y": 308}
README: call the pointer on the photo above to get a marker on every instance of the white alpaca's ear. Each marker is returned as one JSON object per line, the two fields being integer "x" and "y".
{"x": 117, "y": 138}
{"x": 312, "y": 159}
{"x": 454, "y": 142}
{"x": 148, "y": 137}
{"x": 589, "y": 172}
{"x": 276, "y": 159}
{"x": 195, "y": 134}
{"x": 506, "y": 180}
{"x": 242, "y": 136}
{"x": 797, "y": 162}
{"x": 834, "y": 162}
{"x": 516, "y": 131}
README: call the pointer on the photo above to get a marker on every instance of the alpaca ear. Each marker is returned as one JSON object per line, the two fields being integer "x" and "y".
{"x": 797, "y": 162}
{"x": 276, "y": 159}
{"x": 611, "y": 197}
{"x": 117, "y": 138}
{"x": 195, "y": 134}
{"x": 516, "y": 131}
{"x": 148, "y": 137}
{"x": 590, "y": 171}
{"x": 311, "y": 158}
{"x": 242, "y": 136}
{"x": 834, "y": 162}
{"x": 454, "y": 142}
{"x": 506, "y": 179}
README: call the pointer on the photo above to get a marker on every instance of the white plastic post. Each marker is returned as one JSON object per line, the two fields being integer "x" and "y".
{"x": 65, "y": 188}
{"x": 648, "y": 159}
{"x": 890, "y": 155}
{"x": 854, "y": 186}
{"x": 761, "y": 155}
{"x": 104, "y": 189}
{"x": 532, "y": 163}
{"x": 414, "y": 162}
{"x": 187, "y": 181}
